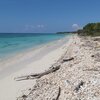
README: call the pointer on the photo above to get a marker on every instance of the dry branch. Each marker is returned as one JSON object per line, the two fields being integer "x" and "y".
{"x": 35, "y": 76}
{"x": 58, "y": 94}
{"x": 67, "y": 59}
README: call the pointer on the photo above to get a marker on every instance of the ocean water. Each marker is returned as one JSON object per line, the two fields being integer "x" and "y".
{"x": 11, "y": 43}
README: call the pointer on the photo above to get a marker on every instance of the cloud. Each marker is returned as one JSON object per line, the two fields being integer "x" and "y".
{"x": 31, "y": 28}
{"x": 75, "y": 26}
{"x": 40, "y": 26}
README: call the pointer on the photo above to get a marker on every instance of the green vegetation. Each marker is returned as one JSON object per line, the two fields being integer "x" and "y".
{"x": 91, "y": 29}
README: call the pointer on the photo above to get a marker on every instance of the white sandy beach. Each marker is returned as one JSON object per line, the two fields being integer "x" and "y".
{"x": 26, "y": 63}
{"x": 76, "y": 79}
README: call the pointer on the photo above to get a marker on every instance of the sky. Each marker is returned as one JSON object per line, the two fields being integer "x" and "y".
{"x": 47, "y": 16}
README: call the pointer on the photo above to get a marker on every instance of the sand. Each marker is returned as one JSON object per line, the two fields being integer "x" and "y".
{"x": 33, "y": 61}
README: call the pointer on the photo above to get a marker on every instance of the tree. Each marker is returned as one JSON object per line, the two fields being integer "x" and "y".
{"x": 97, "y": 27}
{"x": 91, "y": 29}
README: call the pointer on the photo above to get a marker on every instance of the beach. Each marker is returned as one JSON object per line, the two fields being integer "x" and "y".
{"x": 31, "y": 61}
{"x": 49, "y": 50}
{"x": 69, "y": 72}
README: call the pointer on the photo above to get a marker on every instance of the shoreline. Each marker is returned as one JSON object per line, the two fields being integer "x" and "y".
{"x": 27, "y": 48}
{"x": 29, "y": 55}
{"x": 53, "y": 54}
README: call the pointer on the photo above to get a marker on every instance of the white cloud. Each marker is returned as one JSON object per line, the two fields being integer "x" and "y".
{"x": 40, "y": 26}
{"x": 75, "y": 26}
{"x": 31, "y": 28}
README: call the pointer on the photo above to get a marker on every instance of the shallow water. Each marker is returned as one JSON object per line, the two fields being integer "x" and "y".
{"x": 23, "y": 59}
{"x": 11, "y": 43}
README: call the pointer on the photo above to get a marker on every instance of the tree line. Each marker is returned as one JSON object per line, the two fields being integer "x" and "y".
{"x": 92, "y": 29}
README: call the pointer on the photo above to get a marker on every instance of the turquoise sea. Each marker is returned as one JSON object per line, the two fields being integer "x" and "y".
{"x": 11, "y": 43}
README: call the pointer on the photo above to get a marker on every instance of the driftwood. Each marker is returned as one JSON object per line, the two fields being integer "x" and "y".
{"x": 39, "y": 75}
{"x": 35, "y": 76}
{"x": 67, "y": 59}
{"x": 58, "y": 94}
